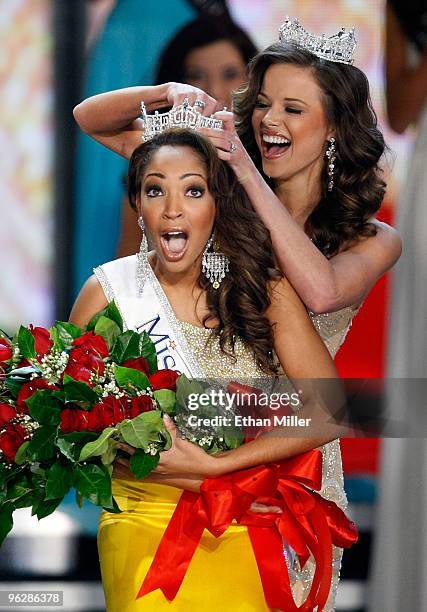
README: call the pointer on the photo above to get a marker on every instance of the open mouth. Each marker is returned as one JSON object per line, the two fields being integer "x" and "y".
{"x": 174, "y": 244}
{"x": 274, "y": 146}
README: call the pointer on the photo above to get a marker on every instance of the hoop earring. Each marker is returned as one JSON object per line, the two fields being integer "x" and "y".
{"x": 143, "y": 249}
{"x": 331, "y": 155}
{"x": 214, "y": 265}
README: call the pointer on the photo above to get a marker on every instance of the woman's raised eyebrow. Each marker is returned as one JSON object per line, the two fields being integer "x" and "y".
{"x": 183, "y": 176}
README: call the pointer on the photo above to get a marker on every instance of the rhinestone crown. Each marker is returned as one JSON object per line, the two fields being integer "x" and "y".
{"x": 337, "y": 48}
{"x": 182, "y": 116}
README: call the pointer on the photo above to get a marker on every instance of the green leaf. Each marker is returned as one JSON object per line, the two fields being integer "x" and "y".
{"x": 57, "y": 342}
{"x": 108, "y": 329}
{"x": 113, "y": 507}
{"x": 21, "y": 454}
{"x": 109, "y": 455}
{"x": 141, "y": 464}
{"x": 76, "y": 391}
{"x": 148, "y": 350}
{"x": 126, "y": 347}
{"x": 14, "y": 384}
{"x": 42, "y": 445}
{"x": 138, "y": 432}
{"x": 22, "y": 493}
{"x": 71, "y": 444}
{"x": 6, "y": 521}
{"x": 97, "y": 447}
{"x": 45, "y": 507}
{"x": 130, "y": 376}
{"x": 185, "y": 387}
{"x": 26, "y": 343}
{"x": 25, "y": 372}
{"x": 166, "y": 400}
{"x": 59, "y": 480}
{"x": 44, "y": 407}
{"x": 94, "y": 482}
{"x": 79, "y": 499}
{"x": 69, "y": 328}
{"x": 111, "y": 312}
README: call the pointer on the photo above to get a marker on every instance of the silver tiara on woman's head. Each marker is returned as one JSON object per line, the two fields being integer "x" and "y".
{"x": 182, "y": 116}
{"x": 337, "y": 48}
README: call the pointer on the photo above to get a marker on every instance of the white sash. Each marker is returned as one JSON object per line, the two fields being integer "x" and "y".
{"x": 145, "y": 307}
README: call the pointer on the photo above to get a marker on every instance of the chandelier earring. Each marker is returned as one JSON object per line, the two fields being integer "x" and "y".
{"x": 215, "y": 265}
{"x": 331, "y": 158}
{"x": 143, "y": 249}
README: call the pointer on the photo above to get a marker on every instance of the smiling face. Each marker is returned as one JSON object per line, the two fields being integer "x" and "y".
{"x": 290, "y": 125}
{"x": 177, "y": 207}
{"x": 218, "y": 69}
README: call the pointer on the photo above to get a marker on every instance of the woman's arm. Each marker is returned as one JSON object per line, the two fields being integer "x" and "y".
{"x": 90, "y": 300}
{"x": 324, "y": 285}
{"x": 309, "y": 366}
{"x": 112, "y": 118}
{"x": 406, "y": 85}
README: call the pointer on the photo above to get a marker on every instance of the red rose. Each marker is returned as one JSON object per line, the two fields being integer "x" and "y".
{"x": 83, "y": 362}
{"x": 43, "y": 342}
{"x": 6, "y": 352}
{"x": 11, "y": 439}
{"x": 7, "y": 413}
{"x": 139, "y": 363}
{"x": 106, "y": 413}
{"x": 27, "y": 391}
{"x": 91, "y": 343}
{"x": 164, "y": 379}
{"x": 73, "y": 419}
{"x": 137, "y": 405}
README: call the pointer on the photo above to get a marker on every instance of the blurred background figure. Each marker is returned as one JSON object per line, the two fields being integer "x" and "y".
{"x": 400, "y": 559}
{"x": 211, "y": 53}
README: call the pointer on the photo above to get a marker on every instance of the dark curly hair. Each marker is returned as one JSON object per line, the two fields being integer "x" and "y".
{"x": 241, "y": 301}
{"x": 342, "y": 216}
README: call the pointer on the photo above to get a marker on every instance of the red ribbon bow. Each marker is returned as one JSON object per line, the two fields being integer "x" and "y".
{"x": 308, "y": 523}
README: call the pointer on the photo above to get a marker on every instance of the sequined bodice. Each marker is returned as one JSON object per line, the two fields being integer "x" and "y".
{"x": 216, "y": 364}
{"x": 333, "y": 327}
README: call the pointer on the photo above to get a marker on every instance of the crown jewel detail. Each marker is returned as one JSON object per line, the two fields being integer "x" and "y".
{"x": 337, "y": 48}
{"x": 182, "y": 116}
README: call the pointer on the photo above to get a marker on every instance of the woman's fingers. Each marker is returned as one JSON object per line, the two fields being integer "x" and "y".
{"x": 204, "y": 103}
{"x": 228, "y": 120}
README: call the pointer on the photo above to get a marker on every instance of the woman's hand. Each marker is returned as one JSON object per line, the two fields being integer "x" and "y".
{"x": 230, "y": 148}
{"x": 183, "y": 458}
{"x": 177, "y": 92}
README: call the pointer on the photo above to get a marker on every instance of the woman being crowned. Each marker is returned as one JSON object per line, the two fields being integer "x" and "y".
{"x": 210, "y": 298}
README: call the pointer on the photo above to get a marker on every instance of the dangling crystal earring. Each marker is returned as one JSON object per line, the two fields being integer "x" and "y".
{"x": 214, "y": 265}
{"x": 143, "y": 249}
{"x": 330, "y": 154}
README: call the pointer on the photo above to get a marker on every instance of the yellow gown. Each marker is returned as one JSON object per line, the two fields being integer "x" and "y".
{"x": 223, "y": 573}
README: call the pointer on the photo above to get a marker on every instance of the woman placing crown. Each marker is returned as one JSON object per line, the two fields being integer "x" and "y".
{"x": 217, "y": 310}
{"x": 307, "y": 153}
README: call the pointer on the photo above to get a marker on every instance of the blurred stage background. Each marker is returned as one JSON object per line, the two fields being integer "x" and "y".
{"x": 45, "y": 47}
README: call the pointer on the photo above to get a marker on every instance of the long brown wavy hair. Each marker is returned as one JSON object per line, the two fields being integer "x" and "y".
{"x": 241, "y": 301}
{"x": 342, "y": 216}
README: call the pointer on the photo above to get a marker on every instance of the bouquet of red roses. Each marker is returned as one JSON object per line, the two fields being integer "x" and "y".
{"x": 68, "y": 397}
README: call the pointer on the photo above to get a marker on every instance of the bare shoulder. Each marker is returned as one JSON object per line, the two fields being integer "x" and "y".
{"x": 90, "y": 300}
